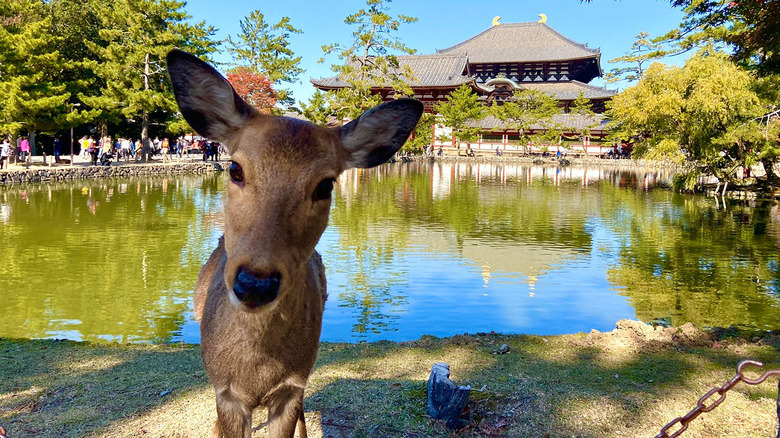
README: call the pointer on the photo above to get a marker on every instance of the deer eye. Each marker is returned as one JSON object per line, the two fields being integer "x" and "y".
{"x": 236, "y": 173}
{"x": 323, "y": 190}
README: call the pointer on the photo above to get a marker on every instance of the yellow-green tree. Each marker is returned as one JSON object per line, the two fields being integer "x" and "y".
{"x": 690, "y": 114}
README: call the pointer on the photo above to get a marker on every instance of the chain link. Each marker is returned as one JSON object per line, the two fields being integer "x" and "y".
{"x": 701, "y": 407}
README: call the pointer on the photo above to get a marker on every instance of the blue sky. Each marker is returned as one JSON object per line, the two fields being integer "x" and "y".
{"x": 610, "y": 25}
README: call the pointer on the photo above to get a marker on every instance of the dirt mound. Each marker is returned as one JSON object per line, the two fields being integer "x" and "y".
{"x": 636, "y": 336}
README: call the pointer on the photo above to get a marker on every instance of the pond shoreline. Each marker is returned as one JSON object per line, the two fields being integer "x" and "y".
{"x": 41, "y": 174}
{"x": 38, "y": 172}
{"x": 550, "y": 161}
{"x": 630, "y": 381}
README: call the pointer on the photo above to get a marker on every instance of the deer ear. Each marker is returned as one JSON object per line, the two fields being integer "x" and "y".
{"x": 206, "y": 99}
{"x": 378, "y": 133}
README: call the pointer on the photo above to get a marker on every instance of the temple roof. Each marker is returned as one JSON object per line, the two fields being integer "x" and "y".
{"x": 429, "y": 71}
{"x": 572, "y": 122}
{"x": 520, "y": 42}
{"x": 560, "y": 90}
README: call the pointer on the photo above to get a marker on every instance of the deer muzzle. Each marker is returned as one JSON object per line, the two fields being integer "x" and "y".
{"x": 254, "y": 291}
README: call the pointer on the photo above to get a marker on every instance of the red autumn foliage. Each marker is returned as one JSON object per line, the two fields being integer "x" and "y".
{"x": 255, "y": 89}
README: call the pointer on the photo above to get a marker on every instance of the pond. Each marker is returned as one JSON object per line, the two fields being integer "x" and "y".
{"x": 412, "y": 249}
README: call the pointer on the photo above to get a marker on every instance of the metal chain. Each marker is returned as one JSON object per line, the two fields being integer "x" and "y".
{"x": 721, "y": 391}
{"x": 778, "y": 408}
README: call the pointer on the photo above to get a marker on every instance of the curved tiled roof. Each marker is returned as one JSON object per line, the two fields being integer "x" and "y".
{"x": 570, "y": 122}
{"x": 429, "y": 71}
{"x": 520, "y": 42}
{"x": 561, "y": 90}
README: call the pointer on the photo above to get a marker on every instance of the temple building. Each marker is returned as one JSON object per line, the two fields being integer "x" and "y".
{"x": 497, "y": 62}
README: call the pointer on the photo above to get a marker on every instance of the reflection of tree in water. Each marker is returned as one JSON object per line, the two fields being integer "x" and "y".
{"x": 685, "y": 260}
{"x": 104, "y": 259}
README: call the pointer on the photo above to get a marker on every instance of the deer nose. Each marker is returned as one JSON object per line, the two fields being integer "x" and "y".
{"x": 255, "y": 291}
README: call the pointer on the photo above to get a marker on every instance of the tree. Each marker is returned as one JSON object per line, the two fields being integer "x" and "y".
{"x": 528, "y": 107}
{"x": 138, "y": 34}
{"x": 681, "y": 113}
{"x": 585, "y": 119}
{"x": 74, "y": 23}
{"x": 265, "y": 50}
{"x": 317, "y": 110}
{"x": 461, "y": 109}
{"x": 643, "y": 51}
{"x": 256, "y": 90}
{"x": 753, "y": 141}
{"x": 31, "y": 96}
{"x": 422, "y": 136}
{"x": 370, "y": 60}
{"x": 750, "y": 27}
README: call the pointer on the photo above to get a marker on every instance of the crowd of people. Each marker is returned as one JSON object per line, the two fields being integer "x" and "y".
{"x": 19, "y": 152}
{"x": 103, "y": 150}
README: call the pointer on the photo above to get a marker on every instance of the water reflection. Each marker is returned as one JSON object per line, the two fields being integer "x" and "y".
{"x": 103, "y": 260}
{"x": 412, "y": 249}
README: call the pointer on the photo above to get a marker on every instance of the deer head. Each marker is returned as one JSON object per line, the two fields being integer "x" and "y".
{"x": 281, "y": 175}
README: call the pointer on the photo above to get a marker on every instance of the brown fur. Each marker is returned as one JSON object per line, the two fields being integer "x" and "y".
{"x": 263, "y": 356}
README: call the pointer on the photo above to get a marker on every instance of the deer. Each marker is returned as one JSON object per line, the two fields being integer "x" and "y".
{"x": 261, "y": 295}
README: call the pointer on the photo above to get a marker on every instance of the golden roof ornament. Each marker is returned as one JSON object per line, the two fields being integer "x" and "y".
{"x": 543, "y": 18}
{"x": 495, "y": 20}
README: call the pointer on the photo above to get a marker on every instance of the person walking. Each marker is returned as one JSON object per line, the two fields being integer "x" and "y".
{"x": 24, "y": 150}
{"x": 57, "y": 145}
{"x": 93, "y": 151}
{"x": 5, "y": 152}
{"x": 164, "y": 148}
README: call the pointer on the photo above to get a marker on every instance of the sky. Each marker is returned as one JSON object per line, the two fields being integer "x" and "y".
{"x": 610, "y": 25}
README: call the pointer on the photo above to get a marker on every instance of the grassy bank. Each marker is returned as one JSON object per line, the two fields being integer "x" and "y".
{"x": 625, "y": 383}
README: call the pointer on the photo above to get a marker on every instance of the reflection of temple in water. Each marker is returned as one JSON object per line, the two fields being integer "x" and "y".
{"x": 445, "y": 174}
{"x": 495, "y": 256}
{"x": 497, "y": 260}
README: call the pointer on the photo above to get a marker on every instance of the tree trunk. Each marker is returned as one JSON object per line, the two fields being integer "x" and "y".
{"x": 769, "y": 167}
{"x": 32, "y": 142}
{"x": 103, "y": 129}
{"x": 145, "y": 115}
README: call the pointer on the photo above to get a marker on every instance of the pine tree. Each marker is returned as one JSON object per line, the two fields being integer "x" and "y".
{"x": 583, "y": 109}
{"x": 370, "y": 60}
{"x": 138, "y": 34}
{"x": 75, "y": 23}
{"x": 643, "y": 51}
{"x": 30, "y": 94}
{"x": 317, "y": 110}
{"x": 459, "y": 111}
{"x": 526, "y": 109}
{"x": 265, "y": 50}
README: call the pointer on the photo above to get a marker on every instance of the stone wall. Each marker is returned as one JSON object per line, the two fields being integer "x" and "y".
{"x": 46, "y": 174}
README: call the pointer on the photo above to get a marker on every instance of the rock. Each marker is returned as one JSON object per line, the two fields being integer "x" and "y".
{"x": 504, "y": 349}
{"x": 445, "y": 399}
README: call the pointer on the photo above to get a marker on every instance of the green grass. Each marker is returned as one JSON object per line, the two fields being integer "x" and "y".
{"x": 625, "y": 383}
